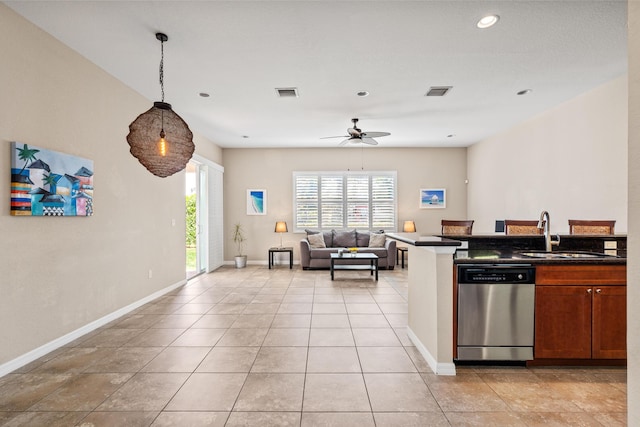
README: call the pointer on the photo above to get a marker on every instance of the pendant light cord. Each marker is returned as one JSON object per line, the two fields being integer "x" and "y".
{"x": 162, "y": 68}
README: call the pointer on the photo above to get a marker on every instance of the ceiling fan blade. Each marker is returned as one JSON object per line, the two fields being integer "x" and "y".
{"x": 375, "y": 134}
{"x": 344, "y": 142}
{"x": 340, "y": 136}
{"x": 370, "y": 141}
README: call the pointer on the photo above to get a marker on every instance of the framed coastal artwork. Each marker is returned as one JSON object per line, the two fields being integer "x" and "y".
{"x": 433, "y": 198}
{"x": 256, "y": 202}
{"x": 48, "y": 183}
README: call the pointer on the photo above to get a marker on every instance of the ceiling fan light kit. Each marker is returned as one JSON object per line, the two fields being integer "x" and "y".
{"x": 357, "y": 136}
{"x": 159, "y": 138}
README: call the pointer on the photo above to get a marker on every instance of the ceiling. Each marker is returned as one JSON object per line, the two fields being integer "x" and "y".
{"x": 240, "y": 51}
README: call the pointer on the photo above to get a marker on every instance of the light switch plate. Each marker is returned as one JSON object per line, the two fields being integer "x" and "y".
{"x": 610, "y": 244}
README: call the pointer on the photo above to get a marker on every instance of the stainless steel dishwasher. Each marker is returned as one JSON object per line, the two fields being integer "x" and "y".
{"x": 495, "y": 312}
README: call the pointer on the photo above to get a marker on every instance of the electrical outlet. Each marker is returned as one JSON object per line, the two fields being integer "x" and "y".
{"x": 610, "y": 244}
{"x": 150, "y": 273}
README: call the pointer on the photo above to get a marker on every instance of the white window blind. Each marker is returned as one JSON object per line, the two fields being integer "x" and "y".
{"x": 345, "y": 200}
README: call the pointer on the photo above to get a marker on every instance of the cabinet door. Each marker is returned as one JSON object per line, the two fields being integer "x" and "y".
{"x": 563, "y": 322}
{"x": 609, "y": 322}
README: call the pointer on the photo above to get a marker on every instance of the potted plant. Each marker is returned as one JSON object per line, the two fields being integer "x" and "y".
{"x": 239, "y": 239}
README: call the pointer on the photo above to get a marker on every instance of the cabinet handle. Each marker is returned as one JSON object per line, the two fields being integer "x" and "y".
{"x": 589, "y": 291}
{"x": 598, "y": 291}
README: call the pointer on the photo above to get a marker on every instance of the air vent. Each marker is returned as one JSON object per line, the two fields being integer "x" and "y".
{"x": 438, "y": 90}
{"x": 287, "y": 92}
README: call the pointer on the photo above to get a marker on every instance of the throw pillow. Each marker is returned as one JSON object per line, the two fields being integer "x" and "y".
{"x": 344, "y": 239}
{"x": 377, "y": 240}
{"x": 316, "y": 241}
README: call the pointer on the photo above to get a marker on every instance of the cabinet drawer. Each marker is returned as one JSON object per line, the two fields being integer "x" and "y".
{"x": 587, "y": 274}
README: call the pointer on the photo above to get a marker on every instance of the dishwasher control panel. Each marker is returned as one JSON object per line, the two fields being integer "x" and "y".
{"x": 497, "y": 274}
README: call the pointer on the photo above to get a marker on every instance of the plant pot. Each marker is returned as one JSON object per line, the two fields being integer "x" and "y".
{"x": 241, "y": 261}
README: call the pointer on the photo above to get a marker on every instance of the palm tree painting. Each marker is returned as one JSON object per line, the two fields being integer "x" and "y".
{"x": 49, "y": 183}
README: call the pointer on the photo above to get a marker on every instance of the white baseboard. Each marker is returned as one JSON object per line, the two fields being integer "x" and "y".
{"x": 437, "y": 368}
{"x": 35, "y": 354}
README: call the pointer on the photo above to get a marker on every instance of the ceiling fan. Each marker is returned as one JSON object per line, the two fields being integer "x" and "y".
{"x": 358, "y": 136}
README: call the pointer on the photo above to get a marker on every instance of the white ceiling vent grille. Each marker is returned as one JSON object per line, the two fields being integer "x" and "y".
{"x": 287, "y": 92}
{"x": 438, "y": 90}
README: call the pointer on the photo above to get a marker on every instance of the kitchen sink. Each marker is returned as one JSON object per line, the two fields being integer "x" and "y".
{"x": 563, "y": 255}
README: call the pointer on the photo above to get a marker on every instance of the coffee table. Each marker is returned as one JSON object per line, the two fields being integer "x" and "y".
{"x": 346, "y": 262}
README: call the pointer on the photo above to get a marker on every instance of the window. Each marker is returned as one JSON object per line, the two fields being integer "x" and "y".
{"x": 344, "y": 200}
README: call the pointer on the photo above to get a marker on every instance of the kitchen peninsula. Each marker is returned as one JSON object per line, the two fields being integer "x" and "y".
{"x": 595, "y": 265}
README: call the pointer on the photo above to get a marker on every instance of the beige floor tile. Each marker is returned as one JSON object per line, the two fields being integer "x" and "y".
{"x": 333, "y": 360}
{"x": 337, "y": 419}
{"x": 359, "y": 299}
{"x": 161, "y": 308}
{"x": 193, "y": 308}
{"x": 331, "y": 337}
{"x": 262, "y": 308}
{"x": 411, "y": 419}
{"x": 177, "y": 359}
{"x": 612, "y": 419}
{"x": 139, "y": 321}
{"x": 465, "y": 392}
{"x": 329, "y": 308}
{"x": 145, "y": 392}
{"x": 393, "y": 308}
{"x": 282, "y": 337}
{"x": 227, "y": 309}
{"x": 264, "y": 419}
{"x": 335, "y": 393}
{"x": 295, "y": 308}
{"x": 221, "y": 321}
{"x": 191, "y": 419}
{"x": 328, "y": 298}
{"x": 291, "y": 321}
{"x": 155, "y": 338}
{"x": 129, "y": 419}
{"x": 482, "y": 419}
{"x": 330, "y": 321}
{"x": 295, "y": 299}
{"x": 83, "y": 392}
{"x": 253, "y": 321}
{"x": 177, "y": 321}
{"x": 267, "y": 299}
{"x": 199, "y": 338}
{"x": 28, "y": 389}
{"x": 243, "y": 337}
{"x": 281, "y": 360}
{"x": 229, "y": 359}
{"x": 74, "y": 360}
{"x": 125, "y": 359}
{"x": 418, "y": 360}
{"x": 48, "y": 419}
{"x": 271, "y": 392}
{"x": 208, "y": 392}
{"x": 113, "y": 337}
{"x": 385, "y": 359}
{"x": 559, "y": 419}
{"x": 375, "y": 337}
{"x": 368, "y": 321}
{"x": 398, "y": 320}
{"x": 357, "y": 308}
{"x": 399, "y": 393}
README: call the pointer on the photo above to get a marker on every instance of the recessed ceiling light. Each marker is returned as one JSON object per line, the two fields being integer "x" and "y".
{"x": 363, "y": 93}
{"x": 245, "y": 136}
{"x": 451, "y": 135}
{"x": 204, "y": 94}
{"x": 488, "y": 21}
{"x": 524, "y": 92}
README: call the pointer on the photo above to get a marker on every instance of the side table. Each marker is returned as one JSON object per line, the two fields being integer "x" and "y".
{"x": 272, "y": 251}
{"x": 400, "y": 251}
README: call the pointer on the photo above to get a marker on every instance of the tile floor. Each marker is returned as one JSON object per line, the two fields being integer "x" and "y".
{"x": 280, "y": 347}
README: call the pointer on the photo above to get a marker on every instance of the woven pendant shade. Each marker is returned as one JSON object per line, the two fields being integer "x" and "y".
{"x": 144, "y": 136}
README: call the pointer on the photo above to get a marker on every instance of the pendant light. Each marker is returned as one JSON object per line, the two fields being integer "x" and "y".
{"x": 159, "y": 138}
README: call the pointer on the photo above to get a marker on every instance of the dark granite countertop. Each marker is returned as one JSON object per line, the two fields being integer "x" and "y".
{"x": 416, "y": 239}
{"x": 506, "y": 256}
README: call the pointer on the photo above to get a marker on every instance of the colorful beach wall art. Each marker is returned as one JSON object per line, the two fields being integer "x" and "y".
{"x": 49, "y": 183}
{"x": 433, "y": 198}
{"x": 256, "y": 202}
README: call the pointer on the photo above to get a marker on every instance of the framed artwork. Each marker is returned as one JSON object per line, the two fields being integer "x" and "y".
{"x": 433, "y": 198}
{"x": 256, "y": 202}
{"x": 49, "y": 183}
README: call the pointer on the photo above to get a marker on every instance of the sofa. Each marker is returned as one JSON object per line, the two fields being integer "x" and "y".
{"x": 317, "y": 247}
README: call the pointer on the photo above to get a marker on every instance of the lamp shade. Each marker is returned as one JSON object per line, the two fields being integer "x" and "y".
{"x": 281, "y": 227}
{"x": 161, "y": 159}
{"x": 409, "y": 227}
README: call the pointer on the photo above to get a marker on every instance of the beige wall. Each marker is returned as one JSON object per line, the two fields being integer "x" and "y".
{"x": 60, "y": 274}
{"x": 271, "y": 169}
{"x": 633, "y": 272}
{"x": 570, "y": 160}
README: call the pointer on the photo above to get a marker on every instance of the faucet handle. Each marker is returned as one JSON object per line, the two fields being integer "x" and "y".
{"x": 556, "y": 242}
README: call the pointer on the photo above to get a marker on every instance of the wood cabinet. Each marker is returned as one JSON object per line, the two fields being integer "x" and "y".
{"x": 580, "y": 312}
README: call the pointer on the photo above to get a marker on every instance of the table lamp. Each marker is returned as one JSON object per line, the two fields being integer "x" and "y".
{"x": 409, "y": 227}
{"x": 281, "y": 227}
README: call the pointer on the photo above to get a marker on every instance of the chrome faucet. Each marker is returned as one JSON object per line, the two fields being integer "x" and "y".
{"x": 545, "y": 224}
